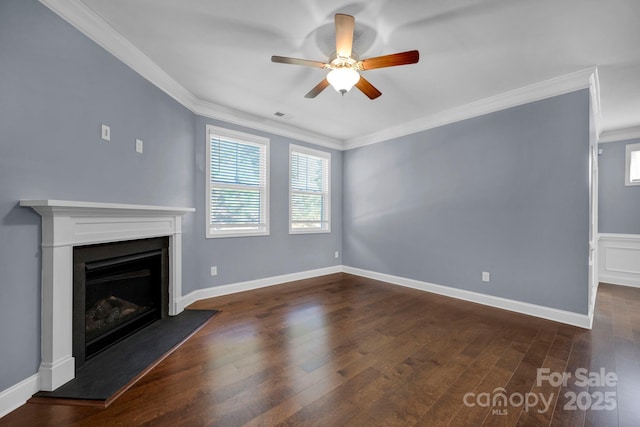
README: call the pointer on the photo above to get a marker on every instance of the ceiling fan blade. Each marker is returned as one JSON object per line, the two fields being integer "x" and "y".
{"x": 367, "y": 88}
{"x": 344, "y": 34}
{"x": 296, "y": 61}
{"x": 319, "y": 88}
{"x": 402, "y": 58}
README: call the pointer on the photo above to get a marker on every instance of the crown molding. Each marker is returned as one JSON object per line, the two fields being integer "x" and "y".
{"x": 76, "y": 13}
{"x": 622, "y": 134}
{"x": 535, "y": 92}
{"x": 229, "y": 115}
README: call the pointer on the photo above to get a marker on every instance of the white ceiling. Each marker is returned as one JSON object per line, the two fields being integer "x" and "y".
{"x": 219, "y": 51}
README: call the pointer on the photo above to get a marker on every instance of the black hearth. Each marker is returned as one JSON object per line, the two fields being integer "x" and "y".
{"x": 119, "y": 288}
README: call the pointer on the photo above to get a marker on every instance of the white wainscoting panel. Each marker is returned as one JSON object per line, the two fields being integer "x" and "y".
{"x": 619, "y": 259}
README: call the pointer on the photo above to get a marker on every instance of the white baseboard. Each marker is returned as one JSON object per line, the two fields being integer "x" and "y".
{"x": 562, "y": 316}
{"x": 619, "y": 282}
{"x": 570, "y": 318}
{"x": 233, "y": 288}
{"x": 619, "y": 259}
{"x": 18, "y": 394}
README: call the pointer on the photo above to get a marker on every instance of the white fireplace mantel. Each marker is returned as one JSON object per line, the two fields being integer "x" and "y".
{"x": 66, "y": 224}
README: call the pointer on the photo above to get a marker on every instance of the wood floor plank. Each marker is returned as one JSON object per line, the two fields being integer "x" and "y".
{"x": 445, "y": 408}
{"x": 522, "y": 381}
{"x": 343, "y": 350}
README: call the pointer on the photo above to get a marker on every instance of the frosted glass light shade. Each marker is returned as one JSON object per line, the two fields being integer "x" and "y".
{"x": 343, "y": 79}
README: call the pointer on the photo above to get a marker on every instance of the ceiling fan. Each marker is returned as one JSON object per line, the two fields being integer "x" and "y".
{"x": 345, "y": 65}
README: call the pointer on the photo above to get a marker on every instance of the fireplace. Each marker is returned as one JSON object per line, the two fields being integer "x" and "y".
{"x": 69, "y": 224}
{"x": 118, "y": 289}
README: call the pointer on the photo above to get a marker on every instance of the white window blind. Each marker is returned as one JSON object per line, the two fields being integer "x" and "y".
{"x": 632, "y": 169}
{"x": 237, "y": 184}
{"x": 309, "y": 183}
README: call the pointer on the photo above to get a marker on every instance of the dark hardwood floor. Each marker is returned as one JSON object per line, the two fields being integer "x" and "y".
{"x": 342, "y": 350}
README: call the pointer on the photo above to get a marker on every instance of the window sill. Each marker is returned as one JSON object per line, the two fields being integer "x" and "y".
{"x": 231, "y": 234}
{"x": 309, "y": 231}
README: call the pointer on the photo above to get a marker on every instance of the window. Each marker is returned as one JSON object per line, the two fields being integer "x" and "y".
{"x": 309, "y": 183}
{"x": 237, "y": 184}
{"x": 632, "y": 169}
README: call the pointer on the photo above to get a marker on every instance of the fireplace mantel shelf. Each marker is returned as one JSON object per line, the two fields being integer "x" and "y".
{"x": 67, "y": 224}
{"x": 71, "y": 205}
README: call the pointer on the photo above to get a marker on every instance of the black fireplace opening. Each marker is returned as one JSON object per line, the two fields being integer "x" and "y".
{"x": 119, "y": 288}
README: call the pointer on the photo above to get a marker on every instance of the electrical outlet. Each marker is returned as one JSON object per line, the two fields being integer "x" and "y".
{"x": 486, "y": 276}
{"x": 214, "y": 270}
{"x": 139, "y": 146}
{"x": 337, "y": 255}
{"x": 105, "y": 133}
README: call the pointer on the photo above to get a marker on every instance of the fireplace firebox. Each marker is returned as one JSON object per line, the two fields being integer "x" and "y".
{"x": 118, "y": 289}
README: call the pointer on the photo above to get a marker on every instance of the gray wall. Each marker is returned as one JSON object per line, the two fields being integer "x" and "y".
{"x": 618, "y": 205}
{"x": 505, "y": 193}
{"x": 56, "y": 88}
{"x": 247, "y": 258}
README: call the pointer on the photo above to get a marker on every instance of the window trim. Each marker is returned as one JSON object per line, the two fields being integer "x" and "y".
{"x": 326, "y": 155}
{"x": 629, "y": 148}
{"x": 241, "y": 137}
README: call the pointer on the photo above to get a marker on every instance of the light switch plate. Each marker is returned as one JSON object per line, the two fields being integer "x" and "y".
{"x": 105, "y": 133}
{"x": 139, "y": 146}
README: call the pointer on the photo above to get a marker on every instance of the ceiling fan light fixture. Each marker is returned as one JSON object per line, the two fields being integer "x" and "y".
{"x": 345, "y": 64}
{"x": 343, "y": 79}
